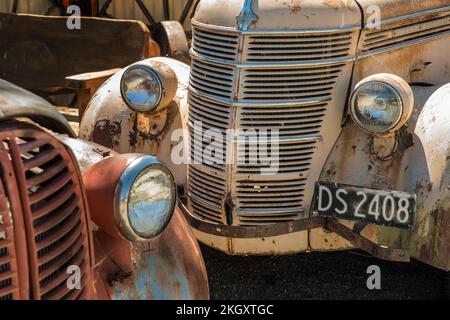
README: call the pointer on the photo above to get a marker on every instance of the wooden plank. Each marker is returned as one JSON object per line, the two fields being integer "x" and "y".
{"x": 71, "y": 114}
{"x": 91, "y": 80}
{"x": 40, "y": 51}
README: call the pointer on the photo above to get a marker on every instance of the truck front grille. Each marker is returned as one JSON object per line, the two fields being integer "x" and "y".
{"x": 292, "y": 83}
{"x": 54, "y": 215}
{"x": 216, "y": 45}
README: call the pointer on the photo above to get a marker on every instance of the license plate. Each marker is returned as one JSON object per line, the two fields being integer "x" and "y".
{"x": 382, "y": 207}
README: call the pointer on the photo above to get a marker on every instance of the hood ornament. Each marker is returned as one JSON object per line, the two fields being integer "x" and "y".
{"x": 247, "y": 16}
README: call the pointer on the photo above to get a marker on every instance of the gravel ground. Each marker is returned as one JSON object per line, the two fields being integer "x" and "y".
{"x": 317, "y": 275}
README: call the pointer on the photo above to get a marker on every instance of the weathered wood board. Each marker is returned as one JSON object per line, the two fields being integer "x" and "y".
{"x": 38, "y": 52}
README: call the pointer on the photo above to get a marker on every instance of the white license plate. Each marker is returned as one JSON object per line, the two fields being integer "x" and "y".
{"x": 382, "y": 207}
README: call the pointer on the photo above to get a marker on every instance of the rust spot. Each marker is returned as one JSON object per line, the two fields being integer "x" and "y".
{"x": 404, "y": 140}
{"x": 118, "y": 276}
{"x": 104, "y": 132}
{"x": 132, "y": 138}
{"x": 151, "y": 127}
{"x": 104, "y": 153}
{"x": 295, "y": 7}
{"x": 430, "y": 186}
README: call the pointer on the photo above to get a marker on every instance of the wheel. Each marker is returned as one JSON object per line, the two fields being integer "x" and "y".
{"x": 172, "y": 40}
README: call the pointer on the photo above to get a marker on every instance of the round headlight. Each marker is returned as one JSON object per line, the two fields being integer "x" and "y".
{"x": 381, "y": 103}
{"x": 146, "y": 198}
{"x": 376, "y": 107}
{"x": 141, "y": 88}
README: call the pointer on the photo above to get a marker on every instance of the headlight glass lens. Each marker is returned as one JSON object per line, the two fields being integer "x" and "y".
{"x": 376, "y": 107}
{"x": 141, "y": 88}
{"x": 150, "y": 202}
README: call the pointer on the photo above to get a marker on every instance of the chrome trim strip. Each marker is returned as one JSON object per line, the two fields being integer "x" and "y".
{"x": 413, "y": 15}
{"x": 296, "y": 103}
{"x": 210, "y": 27}
{"x": 246, "y": 139}
{"x": 230, "y": 103}
{"x": 401, "y": 45}
{"x": 250, "y": 212}
{"x": 298, "y": 65}
{"x": 201, "y": 202}
{"x": 303, "y": 138}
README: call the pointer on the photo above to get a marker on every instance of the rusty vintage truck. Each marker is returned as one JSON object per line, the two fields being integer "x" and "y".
{"x": 78, "y": 221}
{"x": 355, "y": 95}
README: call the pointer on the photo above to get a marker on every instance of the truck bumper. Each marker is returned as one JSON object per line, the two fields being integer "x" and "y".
{"x": 284, "y": 238}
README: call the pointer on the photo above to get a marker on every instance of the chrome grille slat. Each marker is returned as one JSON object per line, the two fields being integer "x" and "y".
{"x": 201, "y": 183}
{"x": 215, "y": 44}
{"x": 210, "y": 79}
{"x": 277, "y": 85}
{"x": 302, "y": 47}
{"x": 213, "y": 115}
{"x": 214, "y": 215}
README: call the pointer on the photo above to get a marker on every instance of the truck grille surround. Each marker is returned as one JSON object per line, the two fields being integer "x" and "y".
{"x": 291, "y": 81}
{"x": 39, "y": 170}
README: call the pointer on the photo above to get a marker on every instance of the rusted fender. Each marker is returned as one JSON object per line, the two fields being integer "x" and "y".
{"x": 109, "y": 122}
{"x": 420, "y": 165}
{"x": 169, "y": 267}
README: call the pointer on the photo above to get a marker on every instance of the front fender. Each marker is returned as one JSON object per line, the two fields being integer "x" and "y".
{"x": 170, "y": 267}
{"x": 109, "y": 122}
{"x": 420, "y": 165}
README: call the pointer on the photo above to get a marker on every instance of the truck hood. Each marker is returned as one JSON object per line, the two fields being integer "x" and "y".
{"x": 282, "y": 14}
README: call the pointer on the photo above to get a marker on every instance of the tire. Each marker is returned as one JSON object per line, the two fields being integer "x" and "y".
{"x": 172, "y": 40}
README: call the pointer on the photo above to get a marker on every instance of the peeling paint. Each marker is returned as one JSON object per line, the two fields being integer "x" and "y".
{"x": 107, "y": 133}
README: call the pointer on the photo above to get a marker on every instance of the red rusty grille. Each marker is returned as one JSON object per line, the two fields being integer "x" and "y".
{"x": 54, "y": 213}
{"x": 9, "y": 287}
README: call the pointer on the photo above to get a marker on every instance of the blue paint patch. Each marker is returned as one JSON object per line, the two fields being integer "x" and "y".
{"x": 147, "y": 284}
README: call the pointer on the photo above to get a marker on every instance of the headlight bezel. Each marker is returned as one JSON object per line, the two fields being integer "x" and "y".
{"x": 154, "y": 74}
{"x": 122, "y": 193}
{"x": 402, "y": 92}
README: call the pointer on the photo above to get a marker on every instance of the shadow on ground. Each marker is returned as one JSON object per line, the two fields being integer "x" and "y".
{"x": 317, "y": 275}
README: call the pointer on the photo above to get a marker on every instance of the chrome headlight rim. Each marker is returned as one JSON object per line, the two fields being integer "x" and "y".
{"x": 150, "y": 71}
{"x": 123, "y": 190}
{"x": 353, "y": 111}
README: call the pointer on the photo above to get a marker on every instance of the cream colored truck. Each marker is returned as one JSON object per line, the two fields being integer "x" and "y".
{"x": 356, "y": 95}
